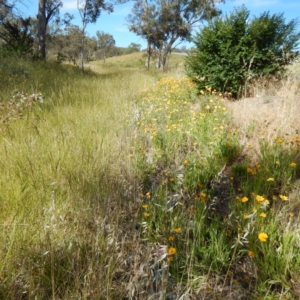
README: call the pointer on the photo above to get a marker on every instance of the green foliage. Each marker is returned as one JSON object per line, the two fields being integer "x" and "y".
{"x": 133, "y": 47}
{"x": 18, "y": 35}
{"x": 105, "y": 42}
{"x": 233, "y": 50}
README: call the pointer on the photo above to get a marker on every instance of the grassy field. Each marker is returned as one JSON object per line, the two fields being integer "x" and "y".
{"x": 122, "y": 183}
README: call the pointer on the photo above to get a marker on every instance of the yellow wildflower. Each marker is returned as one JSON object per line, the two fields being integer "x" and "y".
{"x": 185, "y": 162}
{"x": 270, "y": 179}
{"x": 171, "y": 238}
{"x": 263, "y": 215}
{"x": 178, "y": 229}
{"x": 249, "y": 170}
{"x": 293, "y": 164}
{"x": 251, "y": 253}
{"x": 262, "y": 237}
{"x": 146, "y": 214}
{"x": 203, "y": 196}
{"x": 283, "y": 198}
{"x": 172, "y": 250}
{"x": 245, "y": 199}
{"x": 144, "y": 205}
{"x": 259, "y": 198}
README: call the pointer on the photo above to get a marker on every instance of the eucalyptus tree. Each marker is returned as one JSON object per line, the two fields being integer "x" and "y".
{"x": 165, "y": 22}
{"x": 90, "y": 11}
{"x": 105, "y": 42}
{"x": 47, "y": 9}
{"x": 142, "y": 21}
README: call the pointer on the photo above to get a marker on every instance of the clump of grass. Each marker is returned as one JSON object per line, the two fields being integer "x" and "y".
{"x": 181, "y": 147}
{"x": 63, "y": 187}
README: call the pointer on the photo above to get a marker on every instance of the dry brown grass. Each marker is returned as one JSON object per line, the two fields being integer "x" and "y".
{"x": 274, "y": 112}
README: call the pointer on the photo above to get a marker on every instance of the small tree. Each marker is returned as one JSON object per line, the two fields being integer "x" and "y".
{"x": 18, "y": 35}
{"x": 142, "y": 22}
{"x": 105, "y": 42}
{"x": 133, "y": 47}
{"x": 233, "y": 50}
{"x": 89, "y": 11}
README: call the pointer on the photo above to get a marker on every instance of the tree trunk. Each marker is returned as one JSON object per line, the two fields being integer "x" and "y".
{"x": 163, "y": 65}
{"x": 82, "y": 47}
{"x": 147, "y": 63}
{"x": 158, "y": 60}
{"x": 42, "y": 29}
{"x": 166, "y": 52}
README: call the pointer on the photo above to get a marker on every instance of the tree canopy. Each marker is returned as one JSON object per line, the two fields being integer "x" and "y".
{"x": 89, "y": 11}
{"x": 163, "y": 23}
{"x": 235, "y": 49}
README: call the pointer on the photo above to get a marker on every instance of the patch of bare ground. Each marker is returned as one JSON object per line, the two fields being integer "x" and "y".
{"x": 273, "y": 113}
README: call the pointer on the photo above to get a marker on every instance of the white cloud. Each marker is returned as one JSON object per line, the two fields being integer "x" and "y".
{"x": 69, "y": 4}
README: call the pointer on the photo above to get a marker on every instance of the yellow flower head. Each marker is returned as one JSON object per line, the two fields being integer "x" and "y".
{"x": 249, "y": 170}
{"x": 178, "y": 229}
{"x": 270, "y": 179}
{"x": 171, "y": 238}
{"x": 263, "y": 215}
{"x": 293, "y": 164}
{"x": 263, "y": 237}
{"x": 259, "y": 198}
{"x": 283, "y": 198}
{"x": 251, "y": 253}
{"x": 144, "y": 205}
{"x": 203, "y": 196}
{"x": 245, "y": 199}
{"x": 172, "y": 250}
{"x": 185, "y": 162}
{"x": 146, "y": 214}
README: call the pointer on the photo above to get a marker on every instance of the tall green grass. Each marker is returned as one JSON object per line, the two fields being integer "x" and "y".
{"x": 64, "y": 175}
{"x": 118, "y": 183}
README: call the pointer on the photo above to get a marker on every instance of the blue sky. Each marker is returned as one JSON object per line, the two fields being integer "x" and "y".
{"x": 115, "y": 23}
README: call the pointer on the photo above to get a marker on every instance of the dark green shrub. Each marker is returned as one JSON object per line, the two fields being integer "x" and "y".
{"x": 233, "y": 50}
